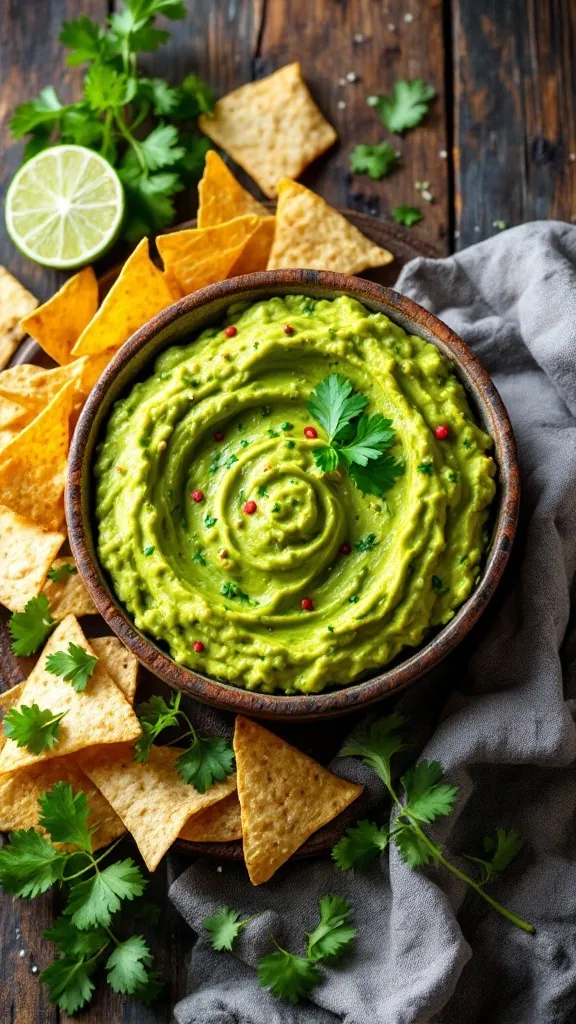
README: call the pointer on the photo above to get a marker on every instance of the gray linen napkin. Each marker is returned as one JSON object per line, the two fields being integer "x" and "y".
{"x": 427, "y": 949}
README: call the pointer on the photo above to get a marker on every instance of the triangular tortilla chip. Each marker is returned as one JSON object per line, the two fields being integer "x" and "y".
{"x": 220, "y": 823}
{"x": 13, "y": 418}
{"x": 94, "y": 367}
{"x": 19, "y": 795}
{"x": 271, "y": 127}
{"x": 119, "y": 663}
{"x": 15, "y": 302}
{"x": 222, "y": 198}
{"x": 139, "y": 293}
{"x": 34, "y": 387}
{"x": 196, "y": 257}
{"x": 26, "y": 554}
{"x": 285, "y": 796}
{"x": 255, "y": 254}
{"x": 312, "y": 235}
{"x": 58, "y": 324}
{"x": 100, "y": 714}
{"x": 33, "y": 464}
{"x": 68, "y": 596}
{"x": 151, "y": 798}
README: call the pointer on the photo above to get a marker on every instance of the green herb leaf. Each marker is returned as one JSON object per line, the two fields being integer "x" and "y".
{"x": 375, "y": 161}
{"x": 85, "y": 38}
{"x": 64, "y": 815}
{"x": 412, "y": 847}
{"x": 69, "y": 984}
{"x": 32, "y": 727}
{"x": 94, "y": 900}
{"x": 500, "y": 847}
{"x": 30, "y": 628}
{"x": 378, "y": 477}
{"x": 377, "y": 744}
{"x": 373, "y": 437}
{"x": 427, "y": 798}
{"x": 223, "y": 927}
{"x": 74, "y": 666}
{"x": 160, "y": 148}
{"x": 232, "y": 590}
{"x": 333, "y": 934}
{"x": 107, "y": 89}
{"x": 194, "y": 98}
{"x": 126, "y": 965}
{"x": 333, "y": 403}
{"x": 406, "y": 107}
{"x": 155, "y": 715}
{"x": 59, "y": 574}
{"x": 73, "y": 943}
{"x": 360, "y": 846}
{"x": 367, "y": 543}
{"x": 326, "y": 458}
{"x": 29, "y": 864}
{"x": 287, "y": 976}
{"x": 407, "y": 215}
{"x": 209, "y": 759}
{"x": 46, "y": 110}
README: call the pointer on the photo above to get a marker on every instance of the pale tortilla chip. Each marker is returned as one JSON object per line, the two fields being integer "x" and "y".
{"x": 9, "y": 699}
{"x": 34, "y": 388}
{"x": 220, "y": 823}
{"x": 152, "y": 800}
{"x": 312, "y": 235}
{"x": 119, "y": 662}
{"x": 19, "y": 795}
{"x": 222, "y": 198}
{"x": 100, "y": 714}
{"x": 26, "y": 554}
{"x": 197, "y": 257}
{"x": 69, "y": 596}
{"x": 13, "y": 418}
{"x": 256, "y": 253}
{"x": 33, "y": 464}
{"x": 285, "y": 796}
{"x": 15, "y": 302}
{"x": 271, "y": 127}
{"x": 139, "y": 293}
{"x": 58, "y": 324}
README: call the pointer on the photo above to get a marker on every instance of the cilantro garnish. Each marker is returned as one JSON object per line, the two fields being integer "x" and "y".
{"x": 276, "y": 506}
{"x": 360, "y": 846}
{"x": 75, "y": 666}
{"x": 32, "y": 727}
{"x": 407, "y": 215}
{"x": 287, "y": 426}
{"x": 427, "y": 468}
{"x": 209, "y": 520}
{"x": 230, "y": 462}
{"x": 375, "y": 161}
{"x": 30, "y": 628}
{"x": 406, "y": 107}
{"x": 232, "y": 590}
{"x": 332, "y": 935}
{"x": 367, "y": 543}
{"x": 262, "y": 491}
{"x": 287, "y": 975}
{"x": 198, "y": 556}
{"x": 149, "y": 550}
{"x": 224, "y": 927}
{"x": 59, "y": 574}
{"x": 500, "y": 849}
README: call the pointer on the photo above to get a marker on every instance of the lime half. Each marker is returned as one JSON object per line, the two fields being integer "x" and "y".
{"x": 64, "y": 207}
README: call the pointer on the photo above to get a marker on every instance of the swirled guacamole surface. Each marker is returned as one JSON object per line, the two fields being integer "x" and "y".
{"x": 218, "y": 428}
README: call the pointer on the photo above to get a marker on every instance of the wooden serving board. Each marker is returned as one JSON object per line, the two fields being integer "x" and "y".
{"x": 319, "y": 740}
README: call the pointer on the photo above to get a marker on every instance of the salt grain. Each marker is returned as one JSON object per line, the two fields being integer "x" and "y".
{"x": 408, "y": 17}
{"x": 443, "y": 154}
{"x": 358, "y": 38}
{"x": 34, "y": 969}
{"x": 341, "y": 104}
{"x": 391, "y": 28}
{"x": 352, "y": 76}
{"x": 219, "y": 869}
{"x": 341, "y": 81}
{"x": 22, "y": 953}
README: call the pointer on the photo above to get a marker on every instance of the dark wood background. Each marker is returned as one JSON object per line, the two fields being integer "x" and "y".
{"x": 499, "y": 145}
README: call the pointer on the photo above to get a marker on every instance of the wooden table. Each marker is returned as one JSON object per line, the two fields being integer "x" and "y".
{"x": 498, "y": 145}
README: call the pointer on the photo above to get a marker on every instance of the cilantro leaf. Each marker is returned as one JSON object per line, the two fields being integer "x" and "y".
{"x": 69, "y": 984}
{"x": 326, "y": 458}
{"x": 46, "y": 110}
{"x": 127, "y": 964}
{"x": 74, "y": 666}
{"x": 333, "y": 403}
{"x": 379, "y": 477}
{"x": 160, "y": 148}
{"x": 141, "y": 10}
{"x": 413, "y": 848}
{"x": 30, "y": 628}
{"x": 500, "y": 847}
{"x": 29, "y": 864}
{"x": 194, "y": 98}
{"x": 161, "y": 96}
{"x": 64, "y": 570}
{"x": 191, "y": 165}
{"x": 377, "y": 744}
{"x": 73, "y": 943}
{"x": 148, "y": 200}
{"x": 427, "y": 798}
{"x": 209, "y": 759}
{"x": 375, "y": 161}
{"x": 407, "y": 106}
{"x": 94, "y": 900}
{"x": 84, "y": 37}
{"x": 64, "y": 815}
{"x": 407, "y": 215}
{"x": 107, "y": 89}
{"x": 155, "y": 715}
{"x": 360, "y": 846}
{"x": 33, "y": 727}
{"x": 373, "y": 437}
{"x": 150, "y": 990}
{"x": 223, "y": 927}
{"x": 287, "y": 976}
{"x": 333, "y": 934}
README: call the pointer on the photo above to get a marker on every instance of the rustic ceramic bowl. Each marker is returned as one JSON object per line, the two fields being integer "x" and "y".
{"x": 202, "y": 309}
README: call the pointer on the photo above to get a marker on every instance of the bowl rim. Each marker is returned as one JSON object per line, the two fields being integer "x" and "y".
{"x": 226, "y": 696}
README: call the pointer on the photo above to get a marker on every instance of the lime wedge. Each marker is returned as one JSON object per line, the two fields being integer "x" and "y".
{"x": 64, "y": 207}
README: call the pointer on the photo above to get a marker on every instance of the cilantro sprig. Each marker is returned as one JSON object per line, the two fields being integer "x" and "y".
{"x": 75, "y": 665}
{"x": 59, "y": 574}
{"x": 31, "y": 863}
{"x": 406, "y": 215}
{"x": 426, "y": 797}
{"x": 32, "y": 727}
{"x": 115, "y": 102}
{"x": 206, "y": 760}
{"x": 406, "y": 107}
{"x": 30, "y": 628}
{"x": 355, "y": 439}
{"x": 375, "y": 161}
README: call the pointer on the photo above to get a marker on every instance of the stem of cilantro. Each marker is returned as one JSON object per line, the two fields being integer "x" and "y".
{"x": 107, "y": 133}
{"x": 144, "y": 111}
{"x": 127, "y": 134}
{"x": 94, "y": 861}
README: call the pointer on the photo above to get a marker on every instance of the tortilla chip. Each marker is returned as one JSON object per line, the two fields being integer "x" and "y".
{"x": 312, "y": 235}
{"x": 285, "y": 796}
{"x": 196, "y": 257}
{"x": 151, "y": 798}
{"x": 34, "y": 388}
{"x": 119, "y": 662}
{"x": 100, "y": 714}
{"x": 26, "y": 554}
{"x": 69, "y": 595}
{"x": 93, "y": 368}
{"x": 33, "y": 464}
{"x": 222, "y": 198}
{"x": 15, "y": 302}
{"x": 58, "y": 324}
{"x": 271, "y": 127}
{"x": 220, "y": 823}
{"x": 137, "y": 295}
{"x": 256, "y": 252}
{"x": 19, "y": 795}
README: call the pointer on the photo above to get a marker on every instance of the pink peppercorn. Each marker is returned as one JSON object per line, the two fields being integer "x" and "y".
{"x": 441, "y": 432}
{"x": 197, "y": 495}
{"x": 249, "y": 507}
{"x": 198, "y": 646}
{"x": 310, "y": 432}
{"x": 230, "y": 332}
{"x": 307, "y": 604}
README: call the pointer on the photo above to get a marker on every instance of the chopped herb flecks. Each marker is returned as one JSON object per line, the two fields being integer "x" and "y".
{"x": 209, "y": 520}
{"x": 427, "y": 468}
{"x": 367, "y": 543}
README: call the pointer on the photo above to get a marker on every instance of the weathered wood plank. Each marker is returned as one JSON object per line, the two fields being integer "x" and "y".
{"x": 515, "y": 113}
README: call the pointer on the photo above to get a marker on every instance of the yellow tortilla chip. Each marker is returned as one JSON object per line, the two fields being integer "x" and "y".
{"x": 26, "y": 554}
{"x": 196, "y": 257}
{"x": 256, "y": 252}
{"x": 58, "y": 324}
{"x": 119, "y": 662}
{"x": 137, "y": 295}
{"x": 68, "y": 596}
{"x": 19, "y": 795}
{"x": 285, "y": 796}
{"x": 15, "y": 302}
{"x": 222, "y": 198}
{"x": 93, "y": 368}
{"x": 271, "y": 127}
{"x": 33, "y": 464}
{"x": 34, "y": 388}
{"x": 220, "y": 823}
{"x": 13, "y": 418}
{"x": 312, "y": 235}
{"x": 100, "y": 714}
{"x": 151, "y": 798}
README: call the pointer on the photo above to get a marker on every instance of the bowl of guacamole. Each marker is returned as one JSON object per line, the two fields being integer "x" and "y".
{"x": 291, "y": 494}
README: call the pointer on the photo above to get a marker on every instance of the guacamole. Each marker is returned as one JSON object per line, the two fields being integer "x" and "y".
{"x": 225, "y": 540}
